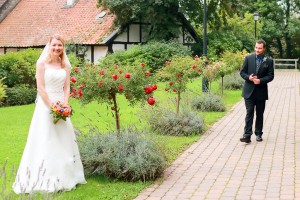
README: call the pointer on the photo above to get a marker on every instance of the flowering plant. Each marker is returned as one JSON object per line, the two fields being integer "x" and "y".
{"x": 60, "y": 111}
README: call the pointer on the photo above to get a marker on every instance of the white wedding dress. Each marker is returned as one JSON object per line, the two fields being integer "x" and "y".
{"x": 51, "y": 160}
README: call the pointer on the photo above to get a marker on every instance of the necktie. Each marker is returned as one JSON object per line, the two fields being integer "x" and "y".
{"x": 258, "y": 62}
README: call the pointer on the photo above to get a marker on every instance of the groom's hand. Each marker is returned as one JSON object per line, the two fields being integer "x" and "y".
{"x": 256, "y": 81}
{"x": 251, "y": 77}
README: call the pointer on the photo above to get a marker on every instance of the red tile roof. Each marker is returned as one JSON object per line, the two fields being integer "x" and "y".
{"x": 32, "y": 22}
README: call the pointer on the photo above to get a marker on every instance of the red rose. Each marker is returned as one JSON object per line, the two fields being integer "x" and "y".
{"x": 115, "y": 76}
{"x": 76, "y": 69}
{"x": 178, "y": 74}
{"x": 147, "y": 74}
{"x": 151, "y": 101}
{"x": 174, "y": 90}
{"x": 194, "y": 67}
{"x": 171, "y": 83}
{"x": 80, "y": 92}
{"x": 127, "y": 75}
{"x": 100, "y": 83}
{"x": 102, "y": 72}
{"x": 142, "y": 64}
{"x": 120, "y": 87}
{"x": 168, "y": 62}
{"x": 148, "y": 90}
{"x": 198, "y": 70}
{"x": 82, "y": 86}
{"x": 73, "y": 79}
{"x": 154, "y": 87}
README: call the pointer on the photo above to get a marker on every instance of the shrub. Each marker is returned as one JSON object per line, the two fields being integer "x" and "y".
{"x": 131, "y": 155}
{"x": 20, "y": 95}
{"x": 19, "y": 67}
{"x": 153, "y": 54}
{"x": 168, "y": 122}
{"x": 233, "y": 82}
{"x": 209, "y": 102}
{"x": 2, "y": 90}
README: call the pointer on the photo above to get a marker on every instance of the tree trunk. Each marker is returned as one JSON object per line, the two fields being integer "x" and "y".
{"x": 280, "y": 49}
{"x": 178, "y": 103}
{"x": 117, "y": 115}
{"x": 287, "y": 36}
{"x": 222, "y": 85}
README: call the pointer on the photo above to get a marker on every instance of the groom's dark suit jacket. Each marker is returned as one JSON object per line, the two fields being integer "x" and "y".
{"x": 265, "y": 74}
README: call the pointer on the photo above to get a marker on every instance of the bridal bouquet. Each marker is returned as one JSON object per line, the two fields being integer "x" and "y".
{"x": 60, "y": 111}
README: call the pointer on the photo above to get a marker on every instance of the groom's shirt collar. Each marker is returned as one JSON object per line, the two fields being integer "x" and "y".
{"x": 259, "y": 58}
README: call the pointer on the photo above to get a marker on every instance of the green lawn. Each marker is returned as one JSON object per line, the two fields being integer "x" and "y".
{"x": 15, "y": 121}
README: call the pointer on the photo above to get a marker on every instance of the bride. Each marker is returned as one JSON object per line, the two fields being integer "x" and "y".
{"x": 51, "y": 160}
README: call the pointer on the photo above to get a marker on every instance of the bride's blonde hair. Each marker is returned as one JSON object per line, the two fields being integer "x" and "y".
{"x": 63, "y": 56}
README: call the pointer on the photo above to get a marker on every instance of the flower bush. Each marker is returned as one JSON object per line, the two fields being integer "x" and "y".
{"x": 233, "y": 61}
{"x": 104, "y": 82}
{"x": 178, "y": 72}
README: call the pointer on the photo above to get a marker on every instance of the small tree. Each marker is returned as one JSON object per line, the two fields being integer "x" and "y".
{"x": 230, "y": 62}
{"x": 178, "y": 72}
{"x": 211, "y": 72}
{"x": 103, "y": 82}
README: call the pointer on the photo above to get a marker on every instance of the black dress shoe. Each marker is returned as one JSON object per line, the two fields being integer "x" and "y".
{"x": 259, "y": 138}
{"x": 245, "y": 139}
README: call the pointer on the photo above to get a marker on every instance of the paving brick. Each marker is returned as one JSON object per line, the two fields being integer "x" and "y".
{"x": 219, "y": 166}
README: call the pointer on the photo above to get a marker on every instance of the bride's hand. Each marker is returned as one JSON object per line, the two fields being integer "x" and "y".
{"x": 66, "y": 104}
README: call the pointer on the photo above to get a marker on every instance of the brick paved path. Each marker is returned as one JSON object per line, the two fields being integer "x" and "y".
{"x": 219, "y": 166}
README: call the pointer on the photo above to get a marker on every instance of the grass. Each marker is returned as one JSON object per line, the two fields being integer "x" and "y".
{"x": 15, "y": 122}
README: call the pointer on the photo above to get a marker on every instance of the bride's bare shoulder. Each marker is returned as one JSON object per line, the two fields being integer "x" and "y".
{"x": 40, "y": 63}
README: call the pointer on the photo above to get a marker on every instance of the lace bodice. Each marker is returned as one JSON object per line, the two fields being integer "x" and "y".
{"x": 54, "y": 83}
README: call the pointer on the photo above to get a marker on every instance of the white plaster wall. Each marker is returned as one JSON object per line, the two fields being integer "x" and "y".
{"x": 1, "y": 51}
{"x": 88, "y": 54}
{"x": 100, "y": 52}
{"x": 180, "y": 38}
{"x": 134, "y": 33}
{"x": 116, "y": 47}
{"x": 122, "y": 37}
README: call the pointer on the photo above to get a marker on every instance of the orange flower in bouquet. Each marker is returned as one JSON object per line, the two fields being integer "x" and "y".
{"x": 60, "y": 111}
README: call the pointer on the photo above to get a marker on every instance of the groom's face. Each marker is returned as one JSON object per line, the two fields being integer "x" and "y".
{"x": 259, "y": 49}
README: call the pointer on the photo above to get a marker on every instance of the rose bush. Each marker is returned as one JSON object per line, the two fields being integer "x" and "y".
{"x": 178, "y": 72}
{"x": 104, "y": 82}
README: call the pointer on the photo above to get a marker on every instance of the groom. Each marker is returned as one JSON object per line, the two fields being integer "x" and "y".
{"x": 257, "y": 71}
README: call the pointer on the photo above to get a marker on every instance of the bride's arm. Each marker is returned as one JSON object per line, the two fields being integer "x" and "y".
{"x": 40, "y": 83}
{"x": 67, "y": 85}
